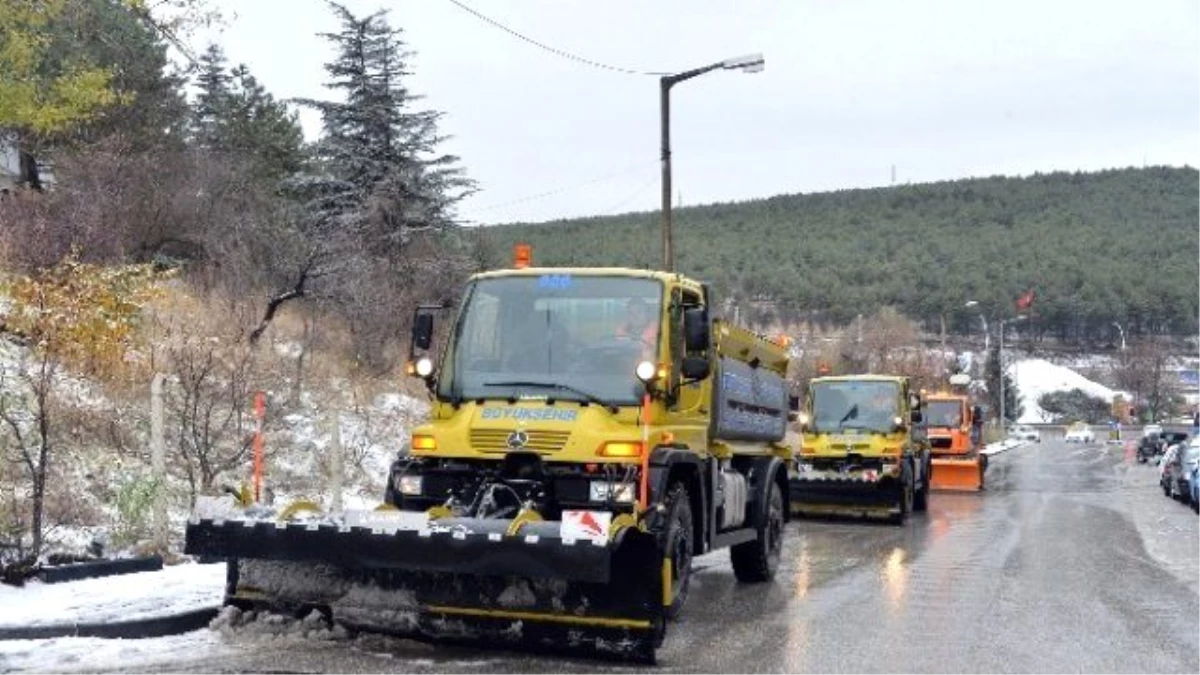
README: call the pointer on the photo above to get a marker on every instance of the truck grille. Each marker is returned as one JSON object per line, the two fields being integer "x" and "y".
{"x": 496, "y": 440}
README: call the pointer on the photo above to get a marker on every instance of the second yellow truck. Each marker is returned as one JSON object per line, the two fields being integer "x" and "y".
{"x": 858, "y": 454}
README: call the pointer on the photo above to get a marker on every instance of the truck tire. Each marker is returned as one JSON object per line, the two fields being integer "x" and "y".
{"x": 678, "y": 546}
{"x": 921, "y": 497}
{"x": 905, "y": 502}
{"x": 756, "y": 561}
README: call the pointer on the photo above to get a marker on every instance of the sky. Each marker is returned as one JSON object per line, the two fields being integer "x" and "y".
{"x": 852, "y": 92}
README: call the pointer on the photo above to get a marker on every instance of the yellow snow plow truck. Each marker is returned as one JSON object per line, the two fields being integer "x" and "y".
{"x": 592, "y": 431}
{"x": 858, "y": 454}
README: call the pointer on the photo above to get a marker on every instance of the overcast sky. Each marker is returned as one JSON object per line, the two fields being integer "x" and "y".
{"x": 939, "y": 89}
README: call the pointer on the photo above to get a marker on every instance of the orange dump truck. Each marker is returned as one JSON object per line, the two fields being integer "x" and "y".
{"x": 954, "y": 441}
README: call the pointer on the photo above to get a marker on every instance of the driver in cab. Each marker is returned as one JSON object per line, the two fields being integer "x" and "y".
{"x": 640, "y": 325}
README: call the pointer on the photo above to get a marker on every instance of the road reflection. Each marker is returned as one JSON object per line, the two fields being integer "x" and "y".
{"x": 895, "y": 578}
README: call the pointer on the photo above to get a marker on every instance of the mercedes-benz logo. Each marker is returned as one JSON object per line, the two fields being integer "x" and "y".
{"x": 517, "y": 439}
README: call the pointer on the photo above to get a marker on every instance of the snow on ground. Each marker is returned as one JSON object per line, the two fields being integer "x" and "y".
{"x": 172, "y": 590}
{"x": 1036, "y": 377}
{"x": 1001, "y": 446}
{"x": 64, "y": 655}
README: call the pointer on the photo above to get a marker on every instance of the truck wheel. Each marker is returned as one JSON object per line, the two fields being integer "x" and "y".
{"x": 905, "y": 502}
{"x": 921, "y": 497}
{"x": 756, "y": 561}
{"x": 677, "y": 546}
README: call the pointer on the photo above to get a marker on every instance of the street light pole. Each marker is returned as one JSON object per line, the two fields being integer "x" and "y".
{"x": 751, "y": 64}
{"x": 986, "y": 335}
{"x": 1003, "y": 417}
{"x": 1122, "y": 332}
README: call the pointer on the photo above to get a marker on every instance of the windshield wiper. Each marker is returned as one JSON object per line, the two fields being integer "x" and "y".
{"x": 851, "y": 414}
{"x": 590, "y": 398}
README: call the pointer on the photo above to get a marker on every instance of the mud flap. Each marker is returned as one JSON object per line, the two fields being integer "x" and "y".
{"x": 527, "y": 591}
{"x": 957, "y": 475}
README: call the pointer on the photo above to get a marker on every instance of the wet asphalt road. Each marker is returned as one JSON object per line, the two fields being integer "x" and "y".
{"x": 1071, "y": 561}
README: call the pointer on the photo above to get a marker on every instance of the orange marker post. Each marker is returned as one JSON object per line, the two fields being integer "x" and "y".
{"x": 260, "y": 413}
{"x": 645, "y": 487}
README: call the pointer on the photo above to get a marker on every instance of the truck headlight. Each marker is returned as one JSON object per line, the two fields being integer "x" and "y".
{"x": 409, "y": 486}
{"x": 621, "y": 492}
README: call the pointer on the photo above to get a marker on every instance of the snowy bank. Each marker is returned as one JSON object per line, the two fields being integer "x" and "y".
{"x": 1037, "y": 377}
{"x": 172, "y": 590}
{"x": 88, "y": 655}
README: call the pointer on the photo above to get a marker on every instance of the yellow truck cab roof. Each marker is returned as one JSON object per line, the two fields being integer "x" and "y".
{"x": 860, "y": 378}
{"x": 665, "y": 277}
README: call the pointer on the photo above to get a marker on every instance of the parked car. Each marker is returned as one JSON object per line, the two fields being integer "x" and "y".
{"x": 1149, "y": 447}
{"x": 1080, "y": 433}
{"x": 1174, "y": 480}
{"x": 1170, "y": 438}
{"x": 1194, "y": 487}
{"x": 1151, "y": 429}
{"x": 1165, "y": 459}
{"x": 1024, "y": 432}
{"x": 1164, "y": 464}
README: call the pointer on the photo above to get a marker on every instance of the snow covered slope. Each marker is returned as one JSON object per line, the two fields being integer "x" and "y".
{"x": 1036, "y": 377}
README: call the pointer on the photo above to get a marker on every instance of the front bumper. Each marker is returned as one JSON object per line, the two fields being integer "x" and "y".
{"x": 860, "y": 488}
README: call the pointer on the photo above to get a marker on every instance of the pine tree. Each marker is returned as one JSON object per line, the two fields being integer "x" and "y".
{"x": 258, "y": 126}
{"x": 383, "y": 178}
{"x": 235, "y": 114}
{"x": 213, "y": 100}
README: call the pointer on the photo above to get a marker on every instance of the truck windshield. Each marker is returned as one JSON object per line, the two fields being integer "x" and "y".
{"x": 560, "y": 336}
{"x": 943, "y": 414}
{"x": 868, "y": 406}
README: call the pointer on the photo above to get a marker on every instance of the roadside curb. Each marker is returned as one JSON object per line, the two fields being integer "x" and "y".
{"x": 54, "y": 574}
{"x": 152, "y": 627}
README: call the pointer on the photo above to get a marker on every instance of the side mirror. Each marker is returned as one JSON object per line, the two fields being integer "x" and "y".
{"x": 422, "y": 331}
{"x": 914, "y": 401}
{"x": 793, "y": 408}
{"x": 695, "y": 329}
{"x": 695, "y": 368}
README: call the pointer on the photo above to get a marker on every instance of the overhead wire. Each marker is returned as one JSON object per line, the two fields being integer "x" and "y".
{"x": 566, "y": 188}
{"x": 612, "y": 210}
{"x": 553, "y": 50}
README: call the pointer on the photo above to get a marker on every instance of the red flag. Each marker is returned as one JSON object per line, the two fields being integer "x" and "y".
{"x": 1026, "y": 300}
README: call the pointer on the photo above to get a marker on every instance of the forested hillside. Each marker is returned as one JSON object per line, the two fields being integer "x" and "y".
{"x": 1118, "y": 245}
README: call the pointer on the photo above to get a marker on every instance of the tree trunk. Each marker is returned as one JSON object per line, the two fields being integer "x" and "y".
{"x": 29, "y": 175}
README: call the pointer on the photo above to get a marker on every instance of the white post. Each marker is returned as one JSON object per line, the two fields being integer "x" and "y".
{"x": 335, "y": 464}
{"x": 158, "y": 464}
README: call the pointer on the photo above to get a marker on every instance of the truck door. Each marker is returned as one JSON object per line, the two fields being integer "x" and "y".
{"x": 689, "y": 397}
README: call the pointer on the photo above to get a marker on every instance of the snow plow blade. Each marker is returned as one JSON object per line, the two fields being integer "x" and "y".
{"x": 465, "y": 580}
{"x": 957, "y": 474}
{"x": 844, "y": 497}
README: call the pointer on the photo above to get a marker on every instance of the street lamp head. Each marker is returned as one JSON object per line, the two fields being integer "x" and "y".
{"x": 971, "y": 303}
{"x": 750, "y": 63}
